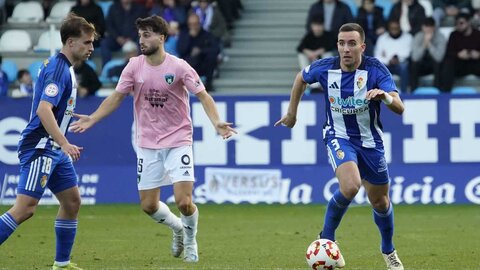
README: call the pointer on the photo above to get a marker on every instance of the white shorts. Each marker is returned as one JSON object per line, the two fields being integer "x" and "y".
{"x": 161, "y": 167}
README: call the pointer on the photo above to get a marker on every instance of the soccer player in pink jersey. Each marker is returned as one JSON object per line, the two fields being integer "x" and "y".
{"x": 160, "y": 83}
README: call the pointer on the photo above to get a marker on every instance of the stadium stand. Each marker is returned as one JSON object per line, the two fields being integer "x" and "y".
{"x": 11, "y": 69}
{"x": 27, "y": 12}
{"x": 59, "y": 11}
{"x": 426, "y": 90}
{"x": 47, "y": 39}
{"x": 104, "y": 78}
{"x": 22, "y": 41}
{"x": 33, "y": 68}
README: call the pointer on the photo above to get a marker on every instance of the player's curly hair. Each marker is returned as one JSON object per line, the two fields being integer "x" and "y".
{"x": 155, "y": 23}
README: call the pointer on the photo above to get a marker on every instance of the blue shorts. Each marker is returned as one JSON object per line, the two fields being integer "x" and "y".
{"x": 40, "y": 168}
{"x": 370, "y": 161}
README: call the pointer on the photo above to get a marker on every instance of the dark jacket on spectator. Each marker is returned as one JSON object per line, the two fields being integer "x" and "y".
{"x": 93, "y": 14}
{"x": 378, "y": 22}
{"x": 205, "y": 41}
{"x": 416, "y": 15}
{"x": 87, "y": 78}
{"x": 122, "y": 23}
{"x": 341, "y": 15}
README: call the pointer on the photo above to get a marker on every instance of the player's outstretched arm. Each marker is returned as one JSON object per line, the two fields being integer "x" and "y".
{"x": 109, "y": 105}
{"x": 45, "y": 113}
{"x": 298, "y": 89}
{"x": 391, "y": 99}
{"x": 223, "y": 128}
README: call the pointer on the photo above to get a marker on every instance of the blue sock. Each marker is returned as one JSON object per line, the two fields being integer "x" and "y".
{"x": 336, "y": 208}
{"x": 7, "y": 226}
{"x": 384, "y": 221}
{"x": 65, "y": 231}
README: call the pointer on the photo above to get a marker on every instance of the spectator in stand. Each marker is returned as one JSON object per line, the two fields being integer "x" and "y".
{"x": 463, "y": 52}
{"x": 410, "y": 14}
{"x": 172, "y": 39}
{"x": 315, "y": 44}
{"x": 120, "y": 27}
{"x": 476, "y": 14}
{"x": 334, "y": 12}
{"x": 213, "y": 21}
{"x": 370, "y": 18}
{"x": 200, "y": 49}
{"x": 393, "y": 49}
{"x": 25, "y": 82}
{"x": 445, "y": 11}
{"x": 130, "y": 49}
{"x": 170, "y": 11}
{"x": 231, "y": 10}
{"x": 3, "y": 81}
{"x": 47, "y": 6}
{"x": 428, "y": 54}
{"x": 93, "y": 13}
{"x": 87, "y": 80}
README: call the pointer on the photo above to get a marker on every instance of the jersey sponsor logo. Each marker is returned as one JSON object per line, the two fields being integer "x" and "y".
{"x": 169, "y": 78}
{"x": 51, "y": 90}
{"x": 334, "y": 85}
{"x": 156, "y": 98}
{"x": 350, "y": 101}
{"x": 348, "y": 111}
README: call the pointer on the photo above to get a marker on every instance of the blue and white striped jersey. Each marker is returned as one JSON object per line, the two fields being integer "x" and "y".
{"x": 56, "y": 84}
{"x": 348, "y": 114}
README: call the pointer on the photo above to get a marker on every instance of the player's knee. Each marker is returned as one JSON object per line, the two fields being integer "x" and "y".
{"x": 350, "y": 191}
{"x": 380, "y": 203}
{"x": 185, "y": 205}
{"x": 72, "y": 205}
{"x": 149, "y": 208}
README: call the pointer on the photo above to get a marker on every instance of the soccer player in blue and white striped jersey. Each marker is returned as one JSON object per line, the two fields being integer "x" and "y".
{"x": 355, "y": 86}
{"x": 44, "y": 152}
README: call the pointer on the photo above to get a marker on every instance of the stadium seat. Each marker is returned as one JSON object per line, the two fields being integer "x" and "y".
{"x": 105, "y": 5}
{"x": 109, "y": 65}
{"x": 446, "y": 31}
{"x": 92, "y": 64}
{"x": 59, "y": 11}
{"x": 386, "y": 5}
{"x": 426, "y": 90}
{"x": 27, "y": 12}
{"x": 44, "y": 41}
{"x": 34, "y": 68}
{"x": 11, "y": 69}
{"x": 353, "y": 6}
{"x": 15, "y": 41}
{"x": 464, "y": 90}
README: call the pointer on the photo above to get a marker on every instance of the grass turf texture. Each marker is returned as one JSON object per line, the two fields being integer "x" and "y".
{"x": 250, "y": 237}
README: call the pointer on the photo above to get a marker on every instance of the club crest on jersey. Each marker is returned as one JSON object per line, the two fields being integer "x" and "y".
{"x": 360, "y": 82}
{"x": 340, "y": 154}
{"x": 169, "y": 78}
{"x": 51, "y": 90}
{"x": 43, "y": 181}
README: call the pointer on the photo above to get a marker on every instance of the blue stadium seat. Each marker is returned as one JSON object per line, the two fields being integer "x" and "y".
{"x": 426, "y": 90}
{"x": 353, "y": 6}
{"x": 11, "y": 69}
{"x": 92, "y": 64}
{"x": 464, "y": 90}
{"x": 34, "y": 68}
{"x": 386, "y": 5}
{"x": 109, "y": 65}
{"x": 105, "y": 5}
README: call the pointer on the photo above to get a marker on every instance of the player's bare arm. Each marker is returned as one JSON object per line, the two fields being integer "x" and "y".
{"x": 298, "y": 89}
{"x": 223, "y": 128}
{"x": 109, "y": 105}
{"x": 47, "y": 118}
{"x": 391, "y": 99}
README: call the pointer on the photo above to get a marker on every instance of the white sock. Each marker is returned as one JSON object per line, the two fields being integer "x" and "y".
{"x": 165, "y": 216}
{"x": 61, "y": 263}
{"x": 190, "y": 224}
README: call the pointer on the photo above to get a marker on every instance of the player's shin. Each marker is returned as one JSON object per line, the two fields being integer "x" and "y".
{"x": 336, "y": 208}
{"x": 165, "y": 216}
{"x": 7, "y": 226}
{"x": 65, "y": 231}
{"x": 384, "y": 221}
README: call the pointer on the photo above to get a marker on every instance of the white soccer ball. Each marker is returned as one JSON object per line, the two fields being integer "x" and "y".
{"x": 322, "y": 254}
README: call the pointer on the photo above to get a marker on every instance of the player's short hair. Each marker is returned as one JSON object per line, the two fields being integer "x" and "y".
{"x": 155, "y": 23}
{"x": 429, "y": 21}
{"x": 74, "y": 26}
{"x": 353, "y": 27}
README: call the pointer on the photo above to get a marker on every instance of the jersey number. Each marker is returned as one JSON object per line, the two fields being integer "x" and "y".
{"x": 47, "y": 165}
{"x": 335, "y": 144}
{"x": 140, "y": 165}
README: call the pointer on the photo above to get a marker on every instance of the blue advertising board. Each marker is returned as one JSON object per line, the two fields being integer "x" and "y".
{"x": 433, "y": 151}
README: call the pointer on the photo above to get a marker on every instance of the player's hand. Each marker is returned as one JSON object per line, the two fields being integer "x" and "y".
{"x": 225, "y": 129}
{"x": 72, "y": 150}
{"x": 287, "y": 120}
{"x": 83, "y": 123}
{"x": 376, "y": 94}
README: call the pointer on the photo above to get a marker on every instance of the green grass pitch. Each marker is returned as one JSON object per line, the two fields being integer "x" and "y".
{"x": 250, "y": 237}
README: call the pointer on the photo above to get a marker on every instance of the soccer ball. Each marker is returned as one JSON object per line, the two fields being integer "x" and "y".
{"x": 322, "y": 254}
